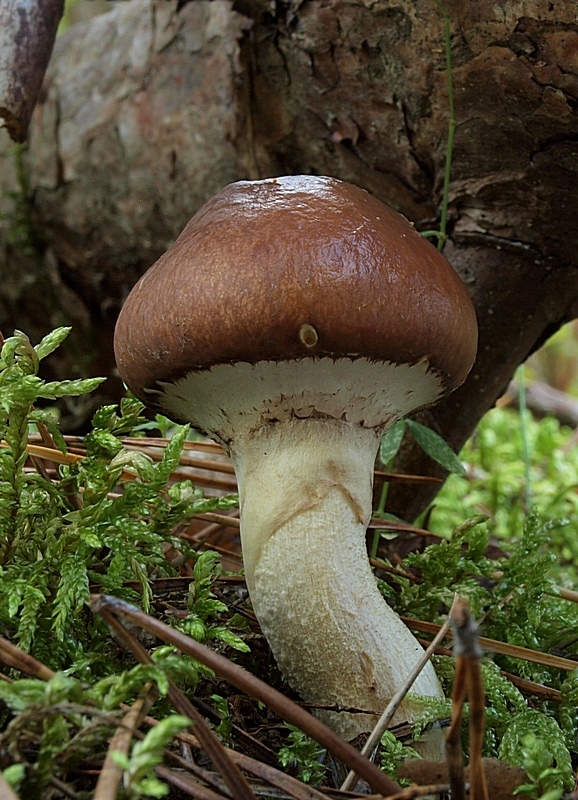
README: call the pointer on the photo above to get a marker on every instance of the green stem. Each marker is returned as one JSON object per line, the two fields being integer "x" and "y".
{"x": 524, "y": 434}
{"x": 380, "y": 510}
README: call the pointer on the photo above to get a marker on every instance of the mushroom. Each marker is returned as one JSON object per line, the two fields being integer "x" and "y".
{"x": 293, "y": 320}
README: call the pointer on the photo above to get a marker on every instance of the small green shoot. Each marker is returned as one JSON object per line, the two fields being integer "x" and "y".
{"x": 225, "y": 726}
{"x": 393, "y": 753}
{"x": 534, "y": 742}
{"x": 139, "y": 778}
{"x": 305, "y": 755}
{"x": 202, "y": 606}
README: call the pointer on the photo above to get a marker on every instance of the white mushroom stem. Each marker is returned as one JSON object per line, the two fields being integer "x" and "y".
{"x": 305, "y": 492}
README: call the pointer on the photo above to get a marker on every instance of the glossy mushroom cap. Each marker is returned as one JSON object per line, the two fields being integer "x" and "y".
{"x": 295, "y": 268}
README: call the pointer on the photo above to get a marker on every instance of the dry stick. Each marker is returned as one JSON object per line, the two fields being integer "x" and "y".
{"x": 204, "y": 533}
{"x": 557, "y": 591}
{"x": 525, "y": 686}
{"x": 185, "y": 461}
{"x": 478, "y": 786}
{"x": 6, "y": 791}
{"x": 187, "y": 784}
{"x": 287, "y": 783}
{"x": 209, "y": 779}
{"x": 402, "y": 527}
{"x": 57, "y": 457}
{"x": 404, "y": 478}
{"x": 111, "y": 773}
{"x": 374, "y": 738}
{"x": 233, "y": 777}
{"x": 206, "y": 446}
{"x": 421, "y": 791}
{"x": 468, "y": 654}
{"x": 454, "y": 753}
{"x": 16, "y": 658}
{"x": 495, "y": 646}
{"x": 252, "y": 686}
{"x": 222, "y": 519}
{"x": 224, "y": 551}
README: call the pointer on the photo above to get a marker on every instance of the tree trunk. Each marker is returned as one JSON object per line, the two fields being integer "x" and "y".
{"x": 152, "y": 107}
{"x": 27, "y": 32}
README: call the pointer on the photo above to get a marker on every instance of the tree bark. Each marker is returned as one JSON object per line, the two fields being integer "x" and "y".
{"x": 27, "y": 32}
{"x": 152, "y": 107}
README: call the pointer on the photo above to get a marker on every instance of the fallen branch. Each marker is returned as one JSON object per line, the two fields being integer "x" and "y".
{"x": 544, "y": 400}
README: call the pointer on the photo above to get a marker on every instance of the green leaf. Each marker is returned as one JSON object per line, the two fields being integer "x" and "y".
{"x": 22, "y": 693}
{"x": 55, "y": 389}
{"x": 102, "y": 443}
{"x": 205, "y": 565}
{"x": 51, "y": 341}
{"x": 48, "y": 419}
{"x": 14, "y": 775}
{"x": 72, "y": 593}
{"x": 433, "y": 444}
{"x": 194, "y": 628}
{"x": 120, "y": 759}
{"x": 105, "y": 417}
{"x": 136, "y": 461}
{"x": 390, "y": 442}
{"x": 172, "y": 454}
{"x": 229, "y": 638}
{"x": 152, "y": 787}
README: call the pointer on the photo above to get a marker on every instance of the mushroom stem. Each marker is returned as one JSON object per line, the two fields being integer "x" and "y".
{"x": 305, "y": 493}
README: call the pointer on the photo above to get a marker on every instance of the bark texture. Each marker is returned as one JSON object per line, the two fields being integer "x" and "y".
{"x": 27, "y": 32}
{"x": 151, "y": 108}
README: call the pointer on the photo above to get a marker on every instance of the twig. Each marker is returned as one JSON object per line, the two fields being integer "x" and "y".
{"x": 454, "y": 752}
{"x": 16, "y": 658}
{"x": 375, "y": 736}
{"x": 495, "y": 646}
{"x": 525, "y": 686}
{"x": 6, "y": 791}
{"x": 111, "y": 774}
{"x": 545, "y": 400}
{"x": 245, "y": 682}
{"x": 187, "y": 784}
{"x": 239, "y": 787}
{"x": 272, "y": 775}
{"x": 524, "y": 437}
{"x": 421, "y": 791}
{"x": 468, "y": 681}
{"x": 403, "y": 478}
{"x": 223, "y": 520}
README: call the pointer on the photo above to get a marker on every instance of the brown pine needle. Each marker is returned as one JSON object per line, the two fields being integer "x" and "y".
{"x": 421, "y": 791}
{"x": 111, "y": 774}
{"x": 495, "y": 646}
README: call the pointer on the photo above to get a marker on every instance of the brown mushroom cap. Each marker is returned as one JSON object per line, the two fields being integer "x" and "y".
{"x": 291, "y": 268}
